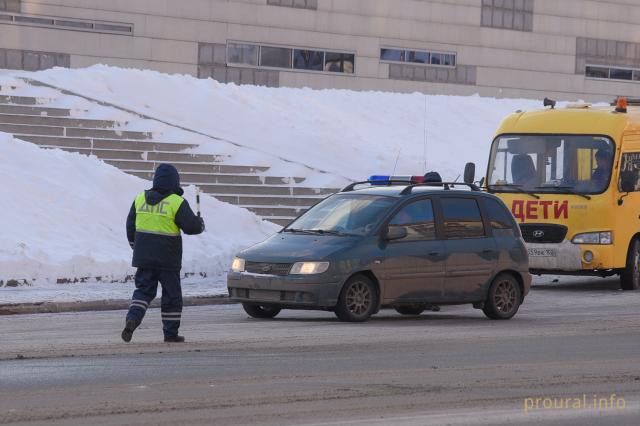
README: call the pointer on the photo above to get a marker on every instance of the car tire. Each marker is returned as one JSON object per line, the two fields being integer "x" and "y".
{"x": 415, "y": 309}
{"x": 504, "y": 298}
{"x": 630, "y": 276}
{"x": 358, "y": 300}
{"x": 260, "y": 311}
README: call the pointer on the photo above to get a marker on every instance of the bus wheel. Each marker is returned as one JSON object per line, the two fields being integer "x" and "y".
{"x": 260, "y": 311}
{"x": 630, "y": 277}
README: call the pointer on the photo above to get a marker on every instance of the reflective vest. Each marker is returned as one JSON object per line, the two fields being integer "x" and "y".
{"x": 160, "y": 218}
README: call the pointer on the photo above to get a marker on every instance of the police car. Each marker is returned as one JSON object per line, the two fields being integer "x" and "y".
{"x": 390, "y": 241}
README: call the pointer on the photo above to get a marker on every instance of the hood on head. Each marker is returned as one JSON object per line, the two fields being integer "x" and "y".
{"x": 167, "y": 179}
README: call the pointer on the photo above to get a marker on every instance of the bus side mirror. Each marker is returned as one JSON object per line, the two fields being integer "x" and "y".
{"x": 627, "y": 181}
{"x": 470, "y": 173}
{"x": 395, "y": 233}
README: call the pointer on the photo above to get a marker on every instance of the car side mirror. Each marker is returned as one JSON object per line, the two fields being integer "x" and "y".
{"x": 469, "y": 173}
{"x": 396, "y": 233}
{"x": 627, "y": 181}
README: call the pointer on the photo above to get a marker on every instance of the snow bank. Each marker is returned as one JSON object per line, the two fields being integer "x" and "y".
{"x": 64, "y": 218}
{"x": 349, "y": 134}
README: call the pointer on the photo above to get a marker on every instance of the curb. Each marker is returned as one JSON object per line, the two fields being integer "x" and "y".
{"x": 99, "y": 305}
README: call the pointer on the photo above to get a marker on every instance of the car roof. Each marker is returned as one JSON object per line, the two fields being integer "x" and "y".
{"x": 396, "y": 191}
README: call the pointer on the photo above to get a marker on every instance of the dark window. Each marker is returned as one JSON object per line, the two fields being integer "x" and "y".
{"x": 277, "y": 57}
{"x": 392, "y": 55}
{"x": 619, "y": 74}
{"x": 115, "y": 28}
{"x": 33, "y": 20}
{"x": 437, "y": 58}
{"x": 597, "y": 72}
{"x": 417, "y": 218}
{"x": 500, "y": 218}
{"x": 630, "y": 170}
{"x": 308, "y": 60}
{"x": 242, "y": 54}
{"x": 74, "y": 24}
{"x": 339, "y": 62}
{"x": 449, "y": 60}
{"x": 419, "y": 57}
{"x": 462, "y": 218}
{"x": 636, "y": 75}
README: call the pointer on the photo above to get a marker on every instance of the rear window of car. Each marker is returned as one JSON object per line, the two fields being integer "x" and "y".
{"x": 462, "y": 218}
{"x": 501, "y": 220}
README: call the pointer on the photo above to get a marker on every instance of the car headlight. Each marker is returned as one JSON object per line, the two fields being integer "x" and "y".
{"x": 237, "y": 265}
{"x": 594, "y": 238}
{"x": 309, "y": 268}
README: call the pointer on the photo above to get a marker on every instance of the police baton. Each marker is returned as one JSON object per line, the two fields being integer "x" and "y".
{"x": 198, "y": 201}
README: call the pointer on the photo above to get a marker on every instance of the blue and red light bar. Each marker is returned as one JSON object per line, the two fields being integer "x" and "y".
{"x": 385, "y": 179}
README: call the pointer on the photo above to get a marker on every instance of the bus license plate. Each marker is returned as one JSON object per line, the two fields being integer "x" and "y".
{"x": 542, "y": 252}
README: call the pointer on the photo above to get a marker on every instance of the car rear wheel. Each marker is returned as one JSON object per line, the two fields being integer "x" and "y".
{"x": 630, "y": 277}
{"x": 415, "y": 309}
{"x": 260, "y": 311}
{"x": 504, "y": 298}
{"x": 358, "y": 300}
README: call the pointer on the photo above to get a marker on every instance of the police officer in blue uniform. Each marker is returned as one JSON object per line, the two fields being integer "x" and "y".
{"x": 153, "y": 229}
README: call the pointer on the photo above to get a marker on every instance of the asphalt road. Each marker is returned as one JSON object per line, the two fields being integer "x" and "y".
{"x": 568, "y": 344}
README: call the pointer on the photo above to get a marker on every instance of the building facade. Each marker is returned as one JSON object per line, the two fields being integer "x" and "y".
{"x": 569, "y": 49}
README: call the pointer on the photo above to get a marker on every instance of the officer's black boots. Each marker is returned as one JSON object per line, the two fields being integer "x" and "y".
{"x": 174, "y": 339}
{"x": 129, "y": 328}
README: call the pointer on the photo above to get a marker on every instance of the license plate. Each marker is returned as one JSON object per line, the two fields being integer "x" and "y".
{"x": 542, "y": 252}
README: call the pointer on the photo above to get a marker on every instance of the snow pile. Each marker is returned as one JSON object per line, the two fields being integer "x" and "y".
{"x": 349, "y": 134}
{"x": 64, "y": 218}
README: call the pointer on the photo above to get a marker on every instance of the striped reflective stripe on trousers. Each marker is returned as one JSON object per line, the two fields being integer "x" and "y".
{"x": 171, "y": 316}
{"x": 139, "y": 304}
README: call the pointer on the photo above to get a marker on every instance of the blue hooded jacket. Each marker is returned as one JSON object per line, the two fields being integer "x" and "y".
{"x": 152, "y": 251}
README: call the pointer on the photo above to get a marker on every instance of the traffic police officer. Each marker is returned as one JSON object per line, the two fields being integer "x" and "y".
{"x": 153, "y": 230}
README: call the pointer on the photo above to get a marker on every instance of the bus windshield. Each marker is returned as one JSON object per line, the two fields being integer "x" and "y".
{"x": 564, "y": 164}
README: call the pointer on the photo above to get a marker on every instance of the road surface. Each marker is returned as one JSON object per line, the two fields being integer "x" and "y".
{"x": 569, "y": 344}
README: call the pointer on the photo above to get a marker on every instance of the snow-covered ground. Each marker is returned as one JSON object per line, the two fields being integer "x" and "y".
{"x": 66, "y": 219}
{"x": 66, "y": 215}
{"x": 349, "y": 134}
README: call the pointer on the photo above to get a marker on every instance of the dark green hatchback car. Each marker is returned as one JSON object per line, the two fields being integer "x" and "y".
{"x": 408, "y": 246}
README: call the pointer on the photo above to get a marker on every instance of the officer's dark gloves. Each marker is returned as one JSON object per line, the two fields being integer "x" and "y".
{"x": 131, "y": 244}
{"x": 202, "y": 223}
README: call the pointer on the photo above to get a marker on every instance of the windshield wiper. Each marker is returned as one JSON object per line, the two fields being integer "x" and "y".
{"x": 298, "y": 231}
{"x": 568, "y": 189}
{"x": 329, "y": 232}
{"x": 519, "y": 189}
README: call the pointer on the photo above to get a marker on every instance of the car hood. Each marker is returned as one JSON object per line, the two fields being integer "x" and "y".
{"x": 290, "y": 248}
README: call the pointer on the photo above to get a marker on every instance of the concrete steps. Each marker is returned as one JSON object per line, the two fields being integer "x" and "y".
{"x": 278, "y": 199}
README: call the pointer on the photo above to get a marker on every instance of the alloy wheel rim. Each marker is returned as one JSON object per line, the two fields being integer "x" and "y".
{"x": 358, "y": 298}
{"x": 505, "y": 296}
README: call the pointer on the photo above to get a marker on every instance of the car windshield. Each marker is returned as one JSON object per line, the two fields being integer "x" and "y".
{"x": 569, "y": 164}
{"x": 343, "y": 214}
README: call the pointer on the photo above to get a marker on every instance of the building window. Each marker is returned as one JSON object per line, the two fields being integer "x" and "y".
{"x": 10, "y": 5}
{"x": 312, "y": 60}
{"x": 242, "y": 54}
{"x": 339, "y": 62}
{"x": 612, "y": 73}
{"x": 418, "y": 57}
{"x": 255, "y": 55}
{"x": 508, "y": 14}
{"x": 298, "y": 4}
{"x": 275, "y": 57}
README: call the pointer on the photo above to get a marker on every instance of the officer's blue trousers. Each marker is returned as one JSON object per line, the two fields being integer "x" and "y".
{"x": 146, "y": 289}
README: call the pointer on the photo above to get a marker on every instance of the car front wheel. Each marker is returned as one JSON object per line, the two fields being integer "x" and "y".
{"x": 358, "y": 300}
{"x": 260, "y": 311}
{"x": 504, "y": 298}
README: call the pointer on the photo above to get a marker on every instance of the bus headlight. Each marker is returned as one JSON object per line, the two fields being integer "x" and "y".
{"x": 593, "y": 238}
{"x": 237, "y": 265}
{"x": 309, "y": 268}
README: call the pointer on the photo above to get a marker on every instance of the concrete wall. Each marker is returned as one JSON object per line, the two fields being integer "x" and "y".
{"x": 504, "y": 48}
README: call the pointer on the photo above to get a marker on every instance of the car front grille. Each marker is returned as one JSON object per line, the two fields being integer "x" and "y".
{"x": 265, "y": 268}
{"x": 543, "y": 233}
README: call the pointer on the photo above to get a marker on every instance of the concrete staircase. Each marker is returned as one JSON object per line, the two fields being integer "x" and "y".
{"x": 277, "y": 199}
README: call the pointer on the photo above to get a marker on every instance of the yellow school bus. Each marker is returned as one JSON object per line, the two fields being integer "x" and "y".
{"x": 571, "y": 179}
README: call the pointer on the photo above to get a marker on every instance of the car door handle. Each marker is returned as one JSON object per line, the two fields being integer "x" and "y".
{"x": 488, "y": 251}
{"x": 435, "y": 253}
